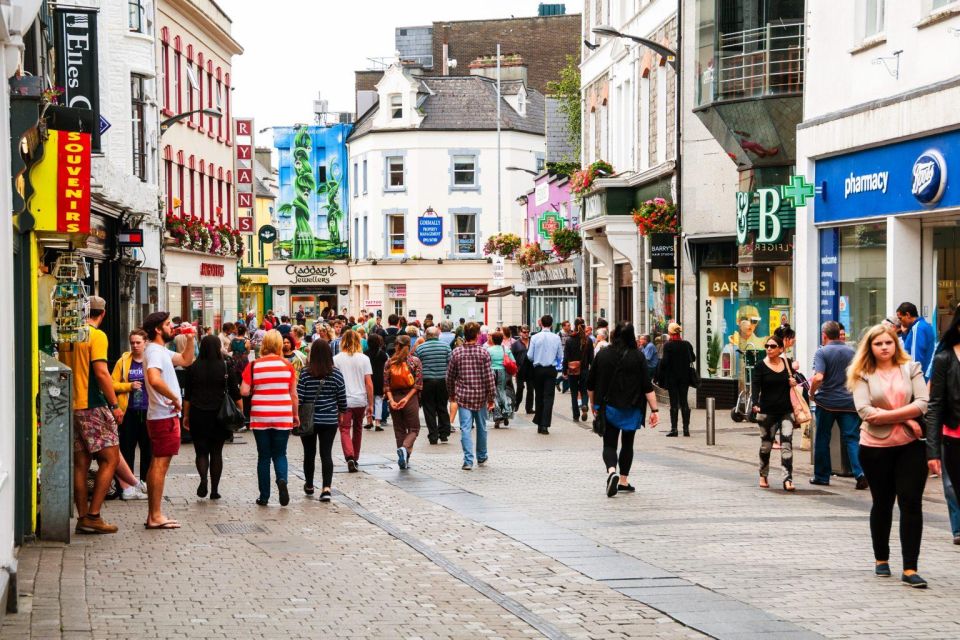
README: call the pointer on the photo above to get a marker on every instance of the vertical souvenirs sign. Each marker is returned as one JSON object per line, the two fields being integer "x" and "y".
{"x": 312, "y": 211}
{"x": 61, "y": 200}
{"x": 78, "y": 72}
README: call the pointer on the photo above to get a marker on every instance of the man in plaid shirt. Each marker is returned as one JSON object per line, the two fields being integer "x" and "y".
{"x": 470, "y": 384}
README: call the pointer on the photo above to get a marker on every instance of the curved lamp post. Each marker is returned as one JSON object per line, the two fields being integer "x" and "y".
{"x": 169, "y": 122}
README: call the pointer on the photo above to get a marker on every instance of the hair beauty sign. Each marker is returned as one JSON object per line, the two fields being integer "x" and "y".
{"x": 61, "y": 179}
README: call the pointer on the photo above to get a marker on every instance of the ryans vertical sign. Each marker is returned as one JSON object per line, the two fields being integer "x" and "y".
{"x": 78, "y": 61}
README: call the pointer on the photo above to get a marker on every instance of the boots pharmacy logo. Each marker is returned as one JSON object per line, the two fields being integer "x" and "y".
{"x": 867, "y": 182}
{"x": 929, "y": 177}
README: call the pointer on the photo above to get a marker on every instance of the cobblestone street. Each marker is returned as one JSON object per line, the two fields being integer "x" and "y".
{"x": 526, "y": 546}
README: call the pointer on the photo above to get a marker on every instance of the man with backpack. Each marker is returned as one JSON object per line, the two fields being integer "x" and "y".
{"x": 393, "y": 330}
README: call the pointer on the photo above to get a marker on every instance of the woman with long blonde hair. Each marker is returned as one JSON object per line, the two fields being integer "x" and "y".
{"x": 402, "y": 383}
{"x": 891, "y": 396}
{"x": 358, "y": 377}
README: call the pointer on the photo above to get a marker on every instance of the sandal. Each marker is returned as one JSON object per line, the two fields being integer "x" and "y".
{"x": 788, "y": 486}
{"x": 166, "y": 524}
{"x": 764, "y": 484}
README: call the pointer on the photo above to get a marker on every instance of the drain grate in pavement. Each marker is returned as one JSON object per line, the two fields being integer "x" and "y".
{"x": 226, "y": 528}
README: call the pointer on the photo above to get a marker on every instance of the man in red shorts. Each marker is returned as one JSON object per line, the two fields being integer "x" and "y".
{"x": 95, "y": 418}
{"x": 163, "y": 414}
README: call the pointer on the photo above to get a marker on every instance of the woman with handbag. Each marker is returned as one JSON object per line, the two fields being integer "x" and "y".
{"x": 620, "y": 391}
{"x": 402, "y": 382}
{"x": 673, "y": 374}
{"x": 208, "y": 383}
{"x": 503, "y": 405}
{"x": 320, "y": 386}
{"x": 891, "y": 395}
{"x": 943, "y": 416}
{"x": 577, "y": 358}
{"x": 272, "y": 387}
{"x": 773, "y": 384}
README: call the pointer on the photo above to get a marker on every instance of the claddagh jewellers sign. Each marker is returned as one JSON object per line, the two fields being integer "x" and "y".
{"x": 309, "y": 273}
{"x": 78, "y": 69}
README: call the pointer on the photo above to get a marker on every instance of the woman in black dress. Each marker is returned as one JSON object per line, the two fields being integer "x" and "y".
{"x": 673, "y": 374}
{"x": 577, "y": 358}
{"x": 378, "y": 360}
{"x": 206, "y": 382}
{"x": 773, "y": 383}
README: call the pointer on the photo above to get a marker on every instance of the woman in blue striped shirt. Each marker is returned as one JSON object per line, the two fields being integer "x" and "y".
{"x": 322, "y": 384}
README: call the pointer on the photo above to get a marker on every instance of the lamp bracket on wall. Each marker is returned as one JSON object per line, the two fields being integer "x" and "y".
{"x": 890, "y": 63}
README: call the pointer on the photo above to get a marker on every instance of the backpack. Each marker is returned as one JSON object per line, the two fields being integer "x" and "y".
{"x": 400, "y": 375}
{"x": 389, "y": 340}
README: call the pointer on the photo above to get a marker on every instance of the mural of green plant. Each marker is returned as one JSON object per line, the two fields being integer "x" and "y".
{"x": 303, "y": 186}
{"x": 331, "y": 189}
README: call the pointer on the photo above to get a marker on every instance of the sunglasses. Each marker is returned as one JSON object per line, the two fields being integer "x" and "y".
{"x": 772, "y": 346}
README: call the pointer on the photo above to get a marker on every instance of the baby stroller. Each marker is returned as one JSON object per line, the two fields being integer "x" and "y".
{"x": 743, "y": 409}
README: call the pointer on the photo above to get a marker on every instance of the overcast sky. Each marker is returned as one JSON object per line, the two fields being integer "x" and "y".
{"x": 294, "y": 49}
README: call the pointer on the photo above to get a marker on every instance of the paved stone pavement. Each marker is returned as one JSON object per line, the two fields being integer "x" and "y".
{"x": 526, "y": 546}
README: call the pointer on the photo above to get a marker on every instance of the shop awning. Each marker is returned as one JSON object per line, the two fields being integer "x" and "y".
{"x": 496, "y": 293}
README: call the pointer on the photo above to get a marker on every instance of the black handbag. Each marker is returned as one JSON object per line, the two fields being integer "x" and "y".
{"x": 600, "y": 420}
{"x": 305, "y": 411}
{"x": 229, "y": 416}
{"x": 693, "y": 375}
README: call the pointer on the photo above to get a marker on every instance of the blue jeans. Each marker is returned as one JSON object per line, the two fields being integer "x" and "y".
{"x": 953, "y": 507}
{"x": 469, "y": 419}
{"x": 271, "y": 445}
{"x": 849, "y": 423}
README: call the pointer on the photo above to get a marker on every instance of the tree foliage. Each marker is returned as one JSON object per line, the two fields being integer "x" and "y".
{"x": 567, "y": 90}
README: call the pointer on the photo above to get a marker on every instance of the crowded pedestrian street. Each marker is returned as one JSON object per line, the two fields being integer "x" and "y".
{"x": 510, "y": 550}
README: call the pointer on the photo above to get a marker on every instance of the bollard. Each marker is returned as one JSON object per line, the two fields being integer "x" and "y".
{"x": 711, "y": 421}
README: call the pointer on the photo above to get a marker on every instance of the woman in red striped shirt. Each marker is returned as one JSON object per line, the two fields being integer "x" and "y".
{"x": 273, "y": 384}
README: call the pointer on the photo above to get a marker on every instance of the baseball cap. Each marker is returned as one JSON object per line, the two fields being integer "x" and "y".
{"x": 96, "y": 303}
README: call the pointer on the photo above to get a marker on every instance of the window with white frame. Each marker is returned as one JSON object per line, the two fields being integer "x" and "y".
{"x": 464, "y": 171}
{"x": 138, "y": 108}
{"x": 137, "y": 19}
{"x": 873, "y": 17}
{"x": 465, "y": 234}
{"x": 396, "y": 238}
{"x": 356, "y": 238}
{"x": 395, "y": 173}
{"x": 396, "y": 106}
{"x": 356, "y": 181}
{"x": 541, "y": 162}
{"x": 364, "y": 176}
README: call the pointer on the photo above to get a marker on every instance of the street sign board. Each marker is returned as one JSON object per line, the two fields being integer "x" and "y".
{"x": 498, "y": 269}
{"x": 130, "y": 238}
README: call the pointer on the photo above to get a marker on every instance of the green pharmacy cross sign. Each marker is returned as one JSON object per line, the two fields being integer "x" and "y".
{"x": 548, "y": 222}
{"x": 799, "y": 190}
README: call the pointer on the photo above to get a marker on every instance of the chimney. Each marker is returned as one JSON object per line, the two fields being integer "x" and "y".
{"x": 264, "y": 156}
{"x": 512, "y": 67}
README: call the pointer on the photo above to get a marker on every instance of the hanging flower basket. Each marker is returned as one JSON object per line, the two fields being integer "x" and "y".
{"x": 195, "y": 235}
{"x": 531, "y": 255}
{"x": 566, "y": 242}
{"x": 656, "y": 216}
{"x": 582, "y": 181}
{"x": 504, "y": 245}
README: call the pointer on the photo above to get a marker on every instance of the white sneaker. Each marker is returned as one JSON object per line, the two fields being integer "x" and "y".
{"x": 133, "y": 493}
{"x": 142, "y": 486}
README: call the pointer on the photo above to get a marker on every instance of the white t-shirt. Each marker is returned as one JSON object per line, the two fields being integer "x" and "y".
{"x": 157, "y": 357}
{"x": 354, "y": 368}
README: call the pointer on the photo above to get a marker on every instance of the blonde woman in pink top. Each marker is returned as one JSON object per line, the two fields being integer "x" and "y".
{"x": 891, "y": 397}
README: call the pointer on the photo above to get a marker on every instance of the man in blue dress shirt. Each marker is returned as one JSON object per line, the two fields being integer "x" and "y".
{"x": 544, "y": 352}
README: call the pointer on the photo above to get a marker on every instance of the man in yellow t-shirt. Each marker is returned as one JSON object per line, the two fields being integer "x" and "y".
{"x": 96, "y": 415}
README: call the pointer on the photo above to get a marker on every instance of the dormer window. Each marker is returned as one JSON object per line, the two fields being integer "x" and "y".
{"x": 522, "y": 103}
{"x": 396, "y": 106}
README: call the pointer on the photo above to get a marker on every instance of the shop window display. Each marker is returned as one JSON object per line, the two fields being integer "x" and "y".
{"x": 862, "y": 278}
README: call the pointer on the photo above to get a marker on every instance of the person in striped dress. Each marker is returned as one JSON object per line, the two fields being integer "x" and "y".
{"x": 272, "y": 383}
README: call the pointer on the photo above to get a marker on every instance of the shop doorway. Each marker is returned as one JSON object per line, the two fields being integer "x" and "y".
{"x": 946, "y": 249}
{"x": 314, "y": 303}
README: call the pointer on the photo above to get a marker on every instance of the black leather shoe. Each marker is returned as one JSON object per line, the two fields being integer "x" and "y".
{"x": 282, "y": 491}
{"x": 882, "y": 570}
{"x": 913, "y": 580}
{"x": 672, "y": 434}
{"x": 862, "y": 483}
{"x": 815, "y": 481}
{"x": 625, "y": 488}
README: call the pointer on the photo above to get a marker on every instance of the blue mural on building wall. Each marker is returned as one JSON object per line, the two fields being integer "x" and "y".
{"x": 312, "y": 212}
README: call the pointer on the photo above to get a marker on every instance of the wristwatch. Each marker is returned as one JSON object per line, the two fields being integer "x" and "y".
{"x": 114, "y": 406}
{"x": 654, "y": 410}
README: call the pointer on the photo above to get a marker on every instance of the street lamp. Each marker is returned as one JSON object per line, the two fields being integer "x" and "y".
{"x": 530, "y": 171}
{"x": 169, "y": 122}
{"x": 673, "y": 59}
{"x": 666, "y": 52}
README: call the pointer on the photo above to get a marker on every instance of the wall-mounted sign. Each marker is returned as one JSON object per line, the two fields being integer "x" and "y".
{"x": 372, "y": 304}
{"x": 267, "y": 234}
{"x": 245, "y": 224}
{"x": 78, "y": 60}
{"x": 430, "y": 228}
{"x": 244, "y": 127}
{"x": 541, "y": 193}
{"x": 663, "y": 251}
{"x": 211, "y": 270}
{"x": 548, "y": 222}
{"x": 245, "y": 200}
{"x": 498, "y": 271}
{"x": 896, "y": 178}
{"x": 397, "y": 291}
{"x": 307, "y": 273}
{"x": 766, "y": 212}
{"x": 130, "y": 238}
{"x": 558, "y": 274}
{"x": 829, "y": 273}
{"x": 244, "y": 176}
{"x": 244, "y": 152}
{"x": 463, "y": 291}
{"x": 929, "y": 177}
{"x": 722, "y": 283}
{"x": 61, "y": 202}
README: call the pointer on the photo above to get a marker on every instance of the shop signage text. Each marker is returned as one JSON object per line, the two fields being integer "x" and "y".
{"x": 372, "y": 304}
{"x": 663, "y": 251}
{"x": 430, "y": 229}
{"x": 309, "y": 273}
{"x": 397, "y": 291}
{"x": 896, "y": 178}
{"x": 765, "y": 211}
{"x": 553, "y": 274}
{"x": 245, "y": 224}
{"x": 541, "y": 194}
{"x": 61, "y": 202}
{"x": 829, "y": 274}
{"x": 211, "y": 270}
{"x": 726, "y": 282}
{"x": 78, "y": 60}
{"x": 463, "y": 291}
